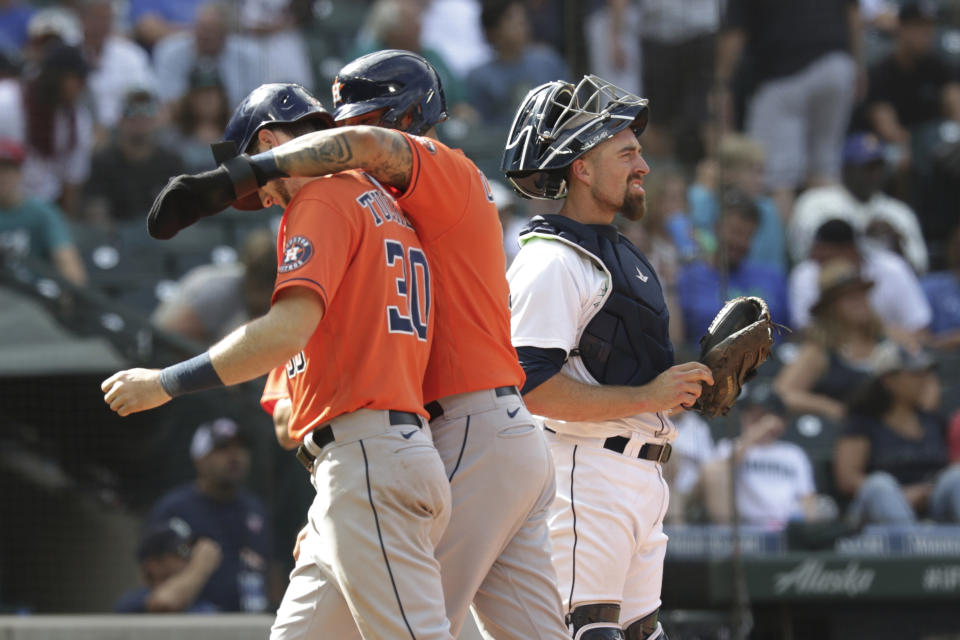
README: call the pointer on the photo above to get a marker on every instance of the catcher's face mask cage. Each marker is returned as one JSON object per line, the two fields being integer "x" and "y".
{"x": 559, "y": 122}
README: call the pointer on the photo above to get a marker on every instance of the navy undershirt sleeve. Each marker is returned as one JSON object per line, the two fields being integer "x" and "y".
{"x": 540, "y": 365}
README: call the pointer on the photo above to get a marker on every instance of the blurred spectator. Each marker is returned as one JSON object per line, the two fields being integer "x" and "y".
{"x": 116, "y": 64}
{"x": 943, "y": 293}
{"x": 897, "y": 296}
{"x": 29, "y": 227}
{"x": 613, "y": 46}
{"x": 213, "y": 300}
{"x": 211, "y": 45}
{"x": 705, "y": 284}
{"x": 912, "y": 85}
{"x": 200, "y": 117}
{"x": 45, "y": 114}
{"x": 892, "y": 457}
{"x": 496, "y": 87}
{"x": 833, "y": 358}
{"x": 773, "y": 479}
{"x": 452, "y": 28}
{"x": 174, "y": 569}
{"x": 803, "y": 78}
{"x": 679, "y": 45}
{"x": 511, "y": 218}
{"x": 861, "y": 202}
{"x": 396, "y": 24}
{"x": 217, "y": 507}
{"x": 739, "y": 163}
{"x": 14, "y": 16}
{"x": 153, "y": 20}
{"x": 129, "y": 173}
{"x": 270, "y": 27}
{"x": 48, "y": 28}
{"x": 692, "y": 449}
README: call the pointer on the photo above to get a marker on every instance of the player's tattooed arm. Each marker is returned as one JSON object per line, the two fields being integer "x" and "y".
{"x": 383, "y": 153}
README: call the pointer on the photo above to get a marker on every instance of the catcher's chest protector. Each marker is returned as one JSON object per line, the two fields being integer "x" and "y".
{"x": 627, "y": 341}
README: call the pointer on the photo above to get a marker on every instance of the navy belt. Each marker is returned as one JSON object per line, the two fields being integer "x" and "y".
{"x": 656, "y": 452}
{"x": 324, "y": 435}
{"x": 435, "y": 410}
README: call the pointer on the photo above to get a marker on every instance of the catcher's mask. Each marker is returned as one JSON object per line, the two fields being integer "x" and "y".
{"x": 401, "y": 81}
{"x": 557, "y": 123}
{"x": 277, "y": 103}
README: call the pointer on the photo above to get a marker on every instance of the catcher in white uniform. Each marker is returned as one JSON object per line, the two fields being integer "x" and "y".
{"x": 590, "y": 325}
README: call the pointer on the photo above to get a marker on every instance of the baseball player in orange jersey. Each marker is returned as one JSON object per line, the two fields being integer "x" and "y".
{"x": 352, "y": 315}
{"x": 495, "y": 552}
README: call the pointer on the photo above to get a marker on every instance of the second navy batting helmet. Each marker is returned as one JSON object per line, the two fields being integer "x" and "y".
{"x": 277, "y": 103}
{"x": 557, "y": 123}
{"x": 401, "y": 81}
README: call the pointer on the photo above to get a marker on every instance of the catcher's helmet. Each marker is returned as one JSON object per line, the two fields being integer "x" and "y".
{"x": 557, "y": 123}
{"x": 276, "y": 103}
{"x": 399, "y": 80}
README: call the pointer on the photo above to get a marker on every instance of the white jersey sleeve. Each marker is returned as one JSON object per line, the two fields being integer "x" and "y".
{"x": 550, "y": 294}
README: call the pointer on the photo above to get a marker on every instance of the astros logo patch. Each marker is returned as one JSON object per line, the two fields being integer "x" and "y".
{"x": 296, "y": 253}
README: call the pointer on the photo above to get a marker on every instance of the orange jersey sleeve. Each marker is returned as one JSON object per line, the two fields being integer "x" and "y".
{"x": 345, "y": 238}
{"x": 275, "y": 389}
{"x": 450, "y": 203}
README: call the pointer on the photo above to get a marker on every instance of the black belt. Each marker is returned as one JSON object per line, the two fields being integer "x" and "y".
{"x": 323, "y": 435}
{"x": 435, "y": 410}
{"x": 656, "y": 452}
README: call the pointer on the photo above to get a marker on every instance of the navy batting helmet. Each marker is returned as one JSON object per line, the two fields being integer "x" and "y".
{"x": 401, "y": 81}
{"x": 276, "y": 103}
{"x": 557, "y": 123}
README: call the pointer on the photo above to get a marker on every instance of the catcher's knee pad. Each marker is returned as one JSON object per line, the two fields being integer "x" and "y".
{"x": 600, "y": 621}
{"x": 646, "y": 628}
{"x": 599, "y": 631}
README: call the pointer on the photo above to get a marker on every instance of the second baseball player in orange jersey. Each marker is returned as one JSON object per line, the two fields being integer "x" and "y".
{"x": 451, "y": 205}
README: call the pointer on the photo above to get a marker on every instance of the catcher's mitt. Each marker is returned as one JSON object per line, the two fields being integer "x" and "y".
{"x": 735, "y": 344}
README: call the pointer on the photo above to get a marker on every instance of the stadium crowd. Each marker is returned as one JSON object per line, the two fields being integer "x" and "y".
{"x": 805, "y": 152}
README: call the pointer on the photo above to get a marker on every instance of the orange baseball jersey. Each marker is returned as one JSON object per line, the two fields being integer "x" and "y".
{"x": 345, "y": 238}
{"x": 275, "y": 389}
{"x": 450, "y": 203}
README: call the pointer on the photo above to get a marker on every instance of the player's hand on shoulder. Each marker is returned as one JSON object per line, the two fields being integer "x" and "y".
{"x": 134, "y": 390}
{"x": 678, "y": 386}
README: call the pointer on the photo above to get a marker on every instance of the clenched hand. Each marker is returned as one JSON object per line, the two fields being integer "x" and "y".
{"x": 134, "y": 390}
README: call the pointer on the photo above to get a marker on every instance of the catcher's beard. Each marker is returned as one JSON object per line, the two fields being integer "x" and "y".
{"x": 634, "y": 205}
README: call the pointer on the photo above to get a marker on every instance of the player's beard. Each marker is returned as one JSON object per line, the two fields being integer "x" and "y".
{"x": 634, "y": 205}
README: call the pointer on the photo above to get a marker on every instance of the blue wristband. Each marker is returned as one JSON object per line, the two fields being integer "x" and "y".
{"x": 265, "y": 167}
{"x": 195, "y": 374}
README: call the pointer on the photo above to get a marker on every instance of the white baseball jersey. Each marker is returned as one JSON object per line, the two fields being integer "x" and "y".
{"x": 772, "y": 481}
{"x": 555, "y": 290}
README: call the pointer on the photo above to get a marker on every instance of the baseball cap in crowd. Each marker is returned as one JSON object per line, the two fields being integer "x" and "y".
{"x": 761, "y": 394}
{"x": 140, "y": 102}
{"x": 11, "y": 151}
{"x": 836, "y": 232}
{"x": 837, "y": 278}
{"x": 917, "y": 11}
{"x": 204, "y": 76}
{"x": 890, "y": 357}
{"x": 171, "y": 536}
{"x": 213, "y": 435}
{"x": 862, "y": 148}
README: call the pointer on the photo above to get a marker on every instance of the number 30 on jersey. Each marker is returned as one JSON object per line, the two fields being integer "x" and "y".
{"x": 413, "y": 286}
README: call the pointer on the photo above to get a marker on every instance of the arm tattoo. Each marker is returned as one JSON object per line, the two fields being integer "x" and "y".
{"x": 382, "y": 153}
